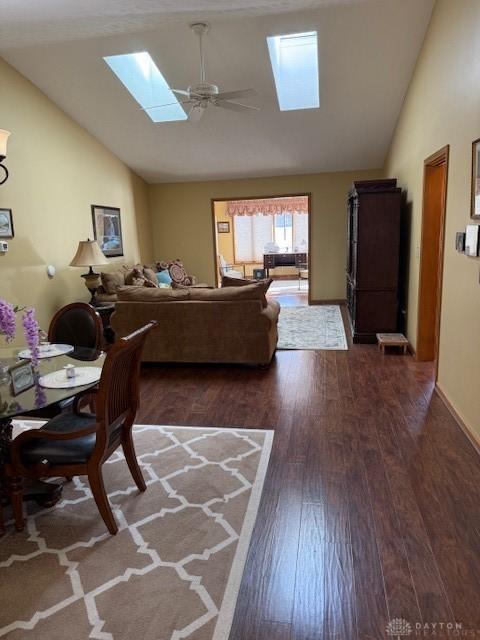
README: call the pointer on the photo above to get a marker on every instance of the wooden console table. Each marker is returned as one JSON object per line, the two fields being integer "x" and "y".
{"x": 272, "y": 260}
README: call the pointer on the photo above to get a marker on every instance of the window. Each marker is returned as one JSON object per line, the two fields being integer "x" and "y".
{"x": 283, "y": 231}
{"x": 141, "y": 76}
{"x": 288, "y": 230}
{"x": 294, "y": 60}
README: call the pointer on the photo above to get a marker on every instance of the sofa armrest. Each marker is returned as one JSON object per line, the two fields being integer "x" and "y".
{"x": 272, "y": 311}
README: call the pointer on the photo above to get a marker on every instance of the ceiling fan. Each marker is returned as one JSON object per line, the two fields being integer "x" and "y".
{"x": 198, "y": 97}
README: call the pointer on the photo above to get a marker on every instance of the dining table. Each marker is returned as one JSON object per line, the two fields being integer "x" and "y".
{"x": 30, "y": 403}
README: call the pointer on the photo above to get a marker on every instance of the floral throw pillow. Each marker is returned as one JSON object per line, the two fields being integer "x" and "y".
{"x": 178, "y": 274}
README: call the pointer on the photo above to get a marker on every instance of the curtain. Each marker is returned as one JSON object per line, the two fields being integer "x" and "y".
{"x": 268, "y": 206}
{"x": 251, "y": 235}
{"x": 300, "y": 232}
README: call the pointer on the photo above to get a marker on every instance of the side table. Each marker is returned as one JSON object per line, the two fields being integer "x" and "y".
{"x": 105, "y": 311}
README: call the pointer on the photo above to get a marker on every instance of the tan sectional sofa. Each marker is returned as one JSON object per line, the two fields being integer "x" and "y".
{"x": 140, "y": 275}
{"x": 230, "y": 325}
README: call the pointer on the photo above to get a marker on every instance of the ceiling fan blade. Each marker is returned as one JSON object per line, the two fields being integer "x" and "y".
{"x": 169, "y": 104}
{"x": 235, "y": 106}
{"x": 190, "y": 94}
{"x": 241, "y": 93}
{"x": 195, "y": 113}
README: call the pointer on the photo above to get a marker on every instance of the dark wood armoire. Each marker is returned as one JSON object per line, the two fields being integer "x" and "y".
{"x": 374, "y": 217}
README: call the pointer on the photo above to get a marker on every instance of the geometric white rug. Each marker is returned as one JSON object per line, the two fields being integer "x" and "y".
{"x": 316, "y": 327}
{"x": 174, "y": 568}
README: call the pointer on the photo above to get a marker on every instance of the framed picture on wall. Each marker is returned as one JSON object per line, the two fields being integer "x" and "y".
{"x": 471, "y": 240}
{"x": 107, "y": 230}
{"x": 475, "y": 195}
{"x": 6, "y": 223}
{"x": 223, "y": 227}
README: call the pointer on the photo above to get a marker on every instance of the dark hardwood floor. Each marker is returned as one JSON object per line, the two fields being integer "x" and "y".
{"x": 370, "y": 509}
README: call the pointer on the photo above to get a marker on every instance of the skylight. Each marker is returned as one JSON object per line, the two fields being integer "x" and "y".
{"x": 141, "y": 76}
{"x": 294, "y": 59}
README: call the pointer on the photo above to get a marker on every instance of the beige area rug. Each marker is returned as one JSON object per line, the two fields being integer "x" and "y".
{"x": 316, "y": 327}
{"x": 173, "y": 570}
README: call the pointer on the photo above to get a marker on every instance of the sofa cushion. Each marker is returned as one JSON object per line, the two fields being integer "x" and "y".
{"x": 154, "y": 294}
{"x": 227, "y": 281}
{"x": 242, "y": 282}
{"x": 253, "y": 291}
{"x": 113, "y": 280}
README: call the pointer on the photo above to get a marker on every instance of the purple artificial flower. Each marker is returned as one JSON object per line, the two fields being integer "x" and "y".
{"x": 31, "y": 330}
{"x": 40, "y": 394}
{"x": 8, "y": 321}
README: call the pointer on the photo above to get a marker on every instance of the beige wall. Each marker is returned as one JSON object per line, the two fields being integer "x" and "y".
{"x": 182, "y": 222}
{"x": 443, "y": 107}
{"x": 57, "y": 170}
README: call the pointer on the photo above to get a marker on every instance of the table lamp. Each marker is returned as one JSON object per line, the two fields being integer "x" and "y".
{"x": 88, "y": 254}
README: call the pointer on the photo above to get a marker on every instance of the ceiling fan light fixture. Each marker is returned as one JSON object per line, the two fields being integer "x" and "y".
{"x": 204, "y": 93}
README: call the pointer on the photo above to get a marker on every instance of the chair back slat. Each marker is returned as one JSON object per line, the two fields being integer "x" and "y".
{"x": 118, "y": 389}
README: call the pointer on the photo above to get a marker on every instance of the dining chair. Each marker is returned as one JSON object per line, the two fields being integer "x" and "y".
{"x": 77, "y": 443}
{"x": 78, "y": 324}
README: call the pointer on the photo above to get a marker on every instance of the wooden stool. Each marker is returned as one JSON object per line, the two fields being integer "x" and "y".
{"x": 392, "y": 340}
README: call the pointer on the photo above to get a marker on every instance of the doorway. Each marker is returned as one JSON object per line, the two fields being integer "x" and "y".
{"x": 435, "y": 178}
{"x": 265, "y": 236}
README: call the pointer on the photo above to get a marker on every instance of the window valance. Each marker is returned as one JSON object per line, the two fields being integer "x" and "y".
{"x": 268, "y": 206}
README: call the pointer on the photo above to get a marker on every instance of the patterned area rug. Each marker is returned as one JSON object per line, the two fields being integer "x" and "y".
{"x": 315, "y": 327}
{"x": 174, "y": 568}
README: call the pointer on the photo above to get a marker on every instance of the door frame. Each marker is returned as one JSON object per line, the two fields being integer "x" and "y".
{"x": 439, "y": 158}
{"x": 281, "y": 195}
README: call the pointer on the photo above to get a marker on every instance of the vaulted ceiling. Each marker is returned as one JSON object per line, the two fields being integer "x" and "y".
{"x": 367, "y": 52}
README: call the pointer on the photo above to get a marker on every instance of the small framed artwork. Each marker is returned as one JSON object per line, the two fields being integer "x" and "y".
{"x": 107, "y": 230}
{"x": 22, "y": 377}
{"x": 223, "y": 227}
{"x": 6, "y": 223}
{"x": 460, "y": 241}
{"x": 475, "y": 195}
{"x": 471, "y": 240}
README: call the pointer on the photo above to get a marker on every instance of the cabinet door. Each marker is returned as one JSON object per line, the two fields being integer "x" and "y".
{"x": 375, "y": 312}
{"x": 378, "y": 241}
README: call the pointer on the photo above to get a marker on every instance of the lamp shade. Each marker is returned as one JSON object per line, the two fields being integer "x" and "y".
{"x": 88, "y": 254}
{"x": 4, "y": 135}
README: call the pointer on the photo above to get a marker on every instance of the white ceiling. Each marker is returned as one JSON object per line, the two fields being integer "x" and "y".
{"x": 367, "y": 52}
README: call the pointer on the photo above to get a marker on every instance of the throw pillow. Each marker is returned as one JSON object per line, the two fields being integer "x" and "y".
{"x": 137, "y": 279}
{"x": 163, "y": 277}
{"x": 178, "y": 274}
{"x": 111, "y": 282}
{"x": 150, "y": 275}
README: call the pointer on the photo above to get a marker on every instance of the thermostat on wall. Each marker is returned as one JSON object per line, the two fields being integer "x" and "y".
{"x": 3, "y": 246}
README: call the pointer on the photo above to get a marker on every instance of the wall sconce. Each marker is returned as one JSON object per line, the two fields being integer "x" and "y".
{"x": 4, "y": 135}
